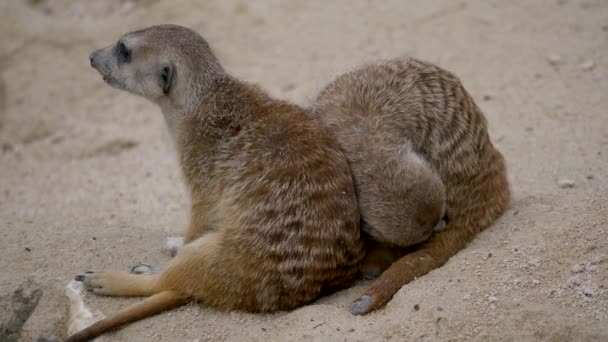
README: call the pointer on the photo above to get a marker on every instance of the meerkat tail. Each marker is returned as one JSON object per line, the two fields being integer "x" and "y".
{"x": 432, "y": 254}
{"x": 150, "y": 306}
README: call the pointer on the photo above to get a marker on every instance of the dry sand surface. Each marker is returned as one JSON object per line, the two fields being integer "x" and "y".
{"x": 88, "y": 180}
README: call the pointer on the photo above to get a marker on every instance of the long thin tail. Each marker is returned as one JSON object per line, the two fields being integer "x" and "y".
{"x": 431, "y": 255}
{"x": 150, "y": 306}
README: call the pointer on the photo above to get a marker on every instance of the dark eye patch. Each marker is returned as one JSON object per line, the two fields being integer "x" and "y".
{"x": 122, "y": 53}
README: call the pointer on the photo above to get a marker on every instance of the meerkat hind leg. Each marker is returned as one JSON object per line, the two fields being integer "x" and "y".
{"x": 430, "y": 255}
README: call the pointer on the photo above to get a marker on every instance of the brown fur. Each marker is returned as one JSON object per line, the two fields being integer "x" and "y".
{"x": 274, "y": 214}
{"x": 388, "y": 117}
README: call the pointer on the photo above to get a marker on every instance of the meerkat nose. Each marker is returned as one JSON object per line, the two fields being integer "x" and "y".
{"x": 92, "y": 59}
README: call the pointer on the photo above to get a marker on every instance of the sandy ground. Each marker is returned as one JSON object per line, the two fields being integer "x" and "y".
{"x": 88, "y": 181}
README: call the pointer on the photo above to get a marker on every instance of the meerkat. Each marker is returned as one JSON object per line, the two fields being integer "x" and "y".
{"x": 419, "y": 150}
{"x": 274, "y": 222}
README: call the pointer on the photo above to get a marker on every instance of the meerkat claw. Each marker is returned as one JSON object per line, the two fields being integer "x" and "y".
{"x": 141, "y": 268}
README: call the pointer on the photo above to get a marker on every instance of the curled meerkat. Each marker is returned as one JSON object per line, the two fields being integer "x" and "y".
{"x": 419, "y": 148}
{"x": 274, "y": 220}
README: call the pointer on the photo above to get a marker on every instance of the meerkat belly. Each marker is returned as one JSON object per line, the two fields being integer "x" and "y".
{"x": 284, "y": 237}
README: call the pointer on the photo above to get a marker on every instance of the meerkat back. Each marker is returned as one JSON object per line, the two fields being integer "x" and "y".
{"x": 426, "y": 142}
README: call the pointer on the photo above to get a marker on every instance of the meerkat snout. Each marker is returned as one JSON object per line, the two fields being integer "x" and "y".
{"x": 92, "y": 59}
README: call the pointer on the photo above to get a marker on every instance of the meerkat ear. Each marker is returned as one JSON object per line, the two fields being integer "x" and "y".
{"x": 165, "y": 77}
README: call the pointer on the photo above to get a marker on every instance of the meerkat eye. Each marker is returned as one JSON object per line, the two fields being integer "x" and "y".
{"x": 123, "y": 54}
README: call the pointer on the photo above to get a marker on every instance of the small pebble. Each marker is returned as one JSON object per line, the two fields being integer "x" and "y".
{"x": 492, "y": 299}
{"x": 589, "y": 291}
{"x": 577, "y": 269}
{"x": 288, "y": 87}
{"x": 94, "y": 238}
{"x": 573, "y": 282}
{"x": 416, "y": 307}
{"x": 28, "y": 249}
{"x": 554, "y": 59}
{"x": 591, "y": 268}
{"x": 595, "y": 260}
{"x": 7, "y": 147}
{"x": 599, "y": 315}
{"x": 536, "y": 282}
{"x": 566, "y": 183}
{"x": 587, "y": 65}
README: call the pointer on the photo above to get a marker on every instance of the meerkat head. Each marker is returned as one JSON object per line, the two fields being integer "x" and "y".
{"x": 405, "y": 203}
{"x": 165, "y": 64}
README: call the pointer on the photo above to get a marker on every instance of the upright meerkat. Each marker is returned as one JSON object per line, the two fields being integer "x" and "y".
{"x": 418, "y": 146}
{"x": 275, "y": 221}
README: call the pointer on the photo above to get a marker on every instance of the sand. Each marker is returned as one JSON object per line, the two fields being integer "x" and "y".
{"x": 88, "y": 180}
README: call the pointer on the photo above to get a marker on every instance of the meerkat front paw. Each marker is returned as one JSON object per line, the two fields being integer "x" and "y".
{"x": 173, "y": 246}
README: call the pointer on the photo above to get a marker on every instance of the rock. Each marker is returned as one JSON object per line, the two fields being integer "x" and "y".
{"x": 566, "y": 183}
{"x": 492, "y": 299}
{"x": 22, "y": 304}
{"x": 587, "y": 65}
{"x": 577, "y": 269}
{"x": 536, "y": 282}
